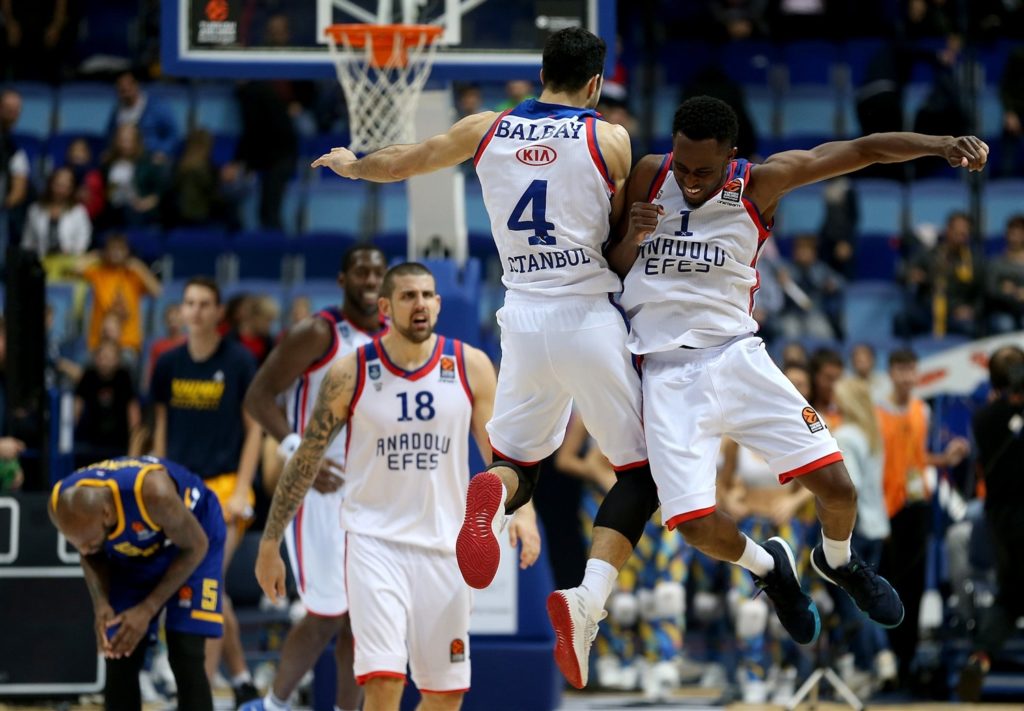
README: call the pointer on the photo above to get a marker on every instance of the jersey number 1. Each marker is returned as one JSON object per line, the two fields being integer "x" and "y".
{"x": 537, "y": 195}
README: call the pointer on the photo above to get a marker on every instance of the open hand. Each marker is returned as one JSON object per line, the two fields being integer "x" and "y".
{"x": 523, "y": 530}
{"x": 338, "y": 160}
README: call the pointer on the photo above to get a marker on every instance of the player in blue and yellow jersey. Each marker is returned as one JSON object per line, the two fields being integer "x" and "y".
{"x": 151, "y": 536}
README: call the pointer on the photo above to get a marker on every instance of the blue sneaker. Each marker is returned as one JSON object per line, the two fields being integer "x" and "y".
{"x": 873, "y": 594}
{"x": 794, "y": 608}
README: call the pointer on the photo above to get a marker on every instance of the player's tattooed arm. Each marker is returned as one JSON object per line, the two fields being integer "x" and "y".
{"x": 329, "y": 415}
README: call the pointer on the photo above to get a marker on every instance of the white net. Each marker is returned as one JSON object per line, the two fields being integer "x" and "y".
{"x": 382, "y": 99}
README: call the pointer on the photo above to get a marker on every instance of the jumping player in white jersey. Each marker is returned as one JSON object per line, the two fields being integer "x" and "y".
{"x": 698, "y": 219}
{"x": 552, "y": 174}
{"x": 315, "y": 540}
{"x": 408, "y": 401}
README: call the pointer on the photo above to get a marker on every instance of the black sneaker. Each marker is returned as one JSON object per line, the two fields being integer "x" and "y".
{"x": 795, "y": 608}
{"x": 245, "y": 691}
{"x": 972, "y": 677}
{"x": 873, "y": 594}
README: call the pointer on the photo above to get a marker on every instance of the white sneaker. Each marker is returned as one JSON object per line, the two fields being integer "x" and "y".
{"x": 149, "y": 693}
{"x": 660, "y": 680}
{"x": 161, "y": 671}
{"x": 609, "y": 672}
{"x": 885, "y": 666}
{"x": 714, "y": 677}
{"x": 575, "y": 631}
{"x": 785, "y": 687}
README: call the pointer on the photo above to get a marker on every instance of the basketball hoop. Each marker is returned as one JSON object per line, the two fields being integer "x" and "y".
{"x": 382, "y": 70}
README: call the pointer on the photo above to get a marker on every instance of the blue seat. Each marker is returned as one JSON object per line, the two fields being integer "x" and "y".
{"x": 321, "y": 252}
{"x": 195, "y": 251}
{"x": 802, "y": 210}
{"x": 746, "y": 62}
{"x": 173, "y": 293}
{"x": 925, "y": 346}
{"x": 810, "y": 61}
{"x": 913, "y": 97}
{"x": 665, "y": 105}
{"x": 761, "y": 107}
{"x": 260, "y": 254}
{"x": 877, "y": 255}
{"x": 994, "y": 245}
{"x": 146, "y": 242}
{"x": 459, "y": 317}
{"x": 1003, "y": 200}
{"x": 880, "y": 205}
{"x": 809, "y": 109}
{"x": 216, "y": 109}
{"x": 36, "y": 117}
{"x": 932, "y": 201}
{"x": 990, "y": 112}
{"x": 178, "y": 100}
{"x": 291, "y": 206}
{"x": 477, "y": 219}
{"x": 335, "y": 205}
{"x": 57, "y": 146}
{"x": 85, "y": 108}
{"x": 857, "y": 54}
{"x": 60, "y": 297}
{"x": 224, "y": 148}
{"x": 452, "y": 280}
{"x": 869, "y": 309}
{"x": 395, "y": 245}
{"x": 394, "y": 209}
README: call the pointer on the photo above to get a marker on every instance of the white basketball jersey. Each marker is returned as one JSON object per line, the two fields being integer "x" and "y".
{"x": 301, "y": 396}
{"x": 407, "y": 442}
{"x": 548, "y": 195}
{"x": 694, "y": 278}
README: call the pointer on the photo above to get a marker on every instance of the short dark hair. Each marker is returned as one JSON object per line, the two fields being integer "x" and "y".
{"x": 205, "y": 282}
{"x": 794, "y": 365}
{"x": 387, "y": 287}
{"x": 571, "y": 57}
{"x": 116, "y": 237}
{"x": 704, "y": 117}
{"x": 959, "y": 215}
{"x": 1002, "y": 364}
{"x": 866, "y": 346}
{"x": 348, "y": 259}
{"x": 1015, "y": 221}
{"x": 823, "y": 357}
{"x": 902, "y": 356}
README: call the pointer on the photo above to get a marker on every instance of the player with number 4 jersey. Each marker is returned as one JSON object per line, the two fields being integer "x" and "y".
{"x": 552, "y": 173}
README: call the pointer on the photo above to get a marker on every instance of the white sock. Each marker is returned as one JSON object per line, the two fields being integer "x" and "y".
{"x": 241, "y": 678}
{"x": 597, "y": 583}
{"x": 756, "y": 559}
{"x": 837, "y": 553}
{"x": 272, "y": 703}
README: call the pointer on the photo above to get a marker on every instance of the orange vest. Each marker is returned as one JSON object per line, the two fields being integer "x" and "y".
{"x": 905, "y": 442}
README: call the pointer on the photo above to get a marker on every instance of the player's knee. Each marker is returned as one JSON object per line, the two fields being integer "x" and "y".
{"x": 837, "y": 491}
{"x": 527, "y": 476}
{"x": 698, "y": 532}
{"x": 751, "y": 618}
{"x": 443, "y": 701}
{"x": 629, "y": 504}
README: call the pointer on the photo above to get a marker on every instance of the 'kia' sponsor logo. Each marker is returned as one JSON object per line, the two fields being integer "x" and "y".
{"x": 536, "y": 155}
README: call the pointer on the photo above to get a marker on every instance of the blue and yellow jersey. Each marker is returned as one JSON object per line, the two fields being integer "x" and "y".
{"x": 137, "y": 542}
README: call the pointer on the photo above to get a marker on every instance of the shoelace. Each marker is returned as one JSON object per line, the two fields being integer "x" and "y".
{"x": 862, "y": 570}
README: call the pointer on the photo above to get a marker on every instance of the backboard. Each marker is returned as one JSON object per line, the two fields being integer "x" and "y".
{"x": 483, "y": 40}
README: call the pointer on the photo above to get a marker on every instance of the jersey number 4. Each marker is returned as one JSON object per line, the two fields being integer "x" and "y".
{"x": 535, "y": 197}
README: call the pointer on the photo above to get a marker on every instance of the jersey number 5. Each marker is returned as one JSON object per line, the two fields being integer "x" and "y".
{"x": 537, "y": 195}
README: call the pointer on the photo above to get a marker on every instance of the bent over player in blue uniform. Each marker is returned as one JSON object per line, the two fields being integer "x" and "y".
{"x": 151, "y": 536}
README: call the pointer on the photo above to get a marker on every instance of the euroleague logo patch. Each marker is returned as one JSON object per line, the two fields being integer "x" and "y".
{"x": 457, "y": 650}
{"x": 185, "y": 597}
{"x": 217, "y": 10}
{"x": 811, "y": 419}
{"x": 447, "y": 369}
{"x": 536, "y": 155}
{"x": 731, "y": 192}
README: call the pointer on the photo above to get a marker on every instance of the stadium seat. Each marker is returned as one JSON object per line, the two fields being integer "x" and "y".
{"x": 216, "y": 109}
{"x": 395, "y": 245}
{"x": 146, "y": 242}
{"x": 809, "y": 109}
{"x": 451, "y": 280}
{"x": 746, "y": 62}
{"x": 195, "y": 251}
{"x": 85, "y": 108}
{"x": 477, "y": 219}
{"x": 857, "y": 54}
{"x": 925, "y": 346}
{"x": 57, "y": 146}
{"x": 178, "y": 100}
{"x": 914, "y": 96}
{"x": 1002, "y": 200}
{"x": 880, "y": 205}
{"x": 761, "y": 107}
{"x": 869, "y": 309}
{"x": 803, "y": 210}
{"x": 335, "y": 205}
{"x": 665, "y": 105}
{"x": 810, "y": 61}
{"x": 932, "y": 201}
{"x": 877, "y": 255}
{"x": 291, "y": 206}
{"x": 60, "y": 296}
{"x": 37, "y": 102}
{"x": 173, "y": 292}
{"x": 224, "y": 148}
{"x": 394, "y": 209}
{"x": 260, "y": 254}
{"x": 320, "y": 253}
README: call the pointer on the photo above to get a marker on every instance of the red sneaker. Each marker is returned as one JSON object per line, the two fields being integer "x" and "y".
{"x": 477, "y": 548}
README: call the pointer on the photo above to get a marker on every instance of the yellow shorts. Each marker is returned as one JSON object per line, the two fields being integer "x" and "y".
{"x": 223, "y": 486}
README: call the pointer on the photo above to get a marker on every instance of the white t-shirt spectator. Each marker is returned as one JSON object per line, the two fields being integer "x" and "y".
{"x": 68, "y": 234}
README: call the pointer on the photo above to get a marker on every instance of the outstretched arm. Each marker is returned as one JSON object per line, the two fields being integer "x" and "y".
{"x": 789, "y": 170}
{"x": 399, "y": 162}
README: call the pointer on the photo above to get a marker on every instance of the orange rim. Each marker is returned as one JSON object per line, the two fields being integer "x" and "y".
{"x": 383, "y": 39}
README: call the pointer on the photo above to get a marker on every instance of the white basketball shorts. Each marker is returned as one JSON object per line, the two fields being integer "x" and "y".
{"x": 694, "y": 397}
{"x": 409, "y": 605}
{"x": 557, "y": 350}
{"x": 316, "y": 551}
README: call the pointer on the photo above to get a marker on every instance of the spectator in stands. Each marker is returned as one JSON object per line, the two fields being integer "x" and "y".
{"x": 91, "y": 192}
{"x": 862, "y": 363}
{"x": 903, "y": 419}
{"x": 14, "y": 170}
{"x": 469, "y": 100}
{"x": 945, "y": 285}
{"x": 257, "y": 317}
{"x": 11, "y": 476}
{"x": 1011, "y": 91}
{"x": 301, "y": 307}
{"x": 299, "y": 96}
{"x": 1005, "y": 287}
{"x": 516, "y": 92}
{"x": 151, "y": 116}
{"x": 826, "y": 368}
{"x": 713, "y": 81}
{"x": 61, "y": 371}
{"x": 134, "y": 181}
{"x": 860, "y": 440}
{"x": 118, "y": 281}
{"x": 174, "y": 336}
{"x": 813, "y": 294}
{"x": 268, "y": 146}
{"x": 769, "y": 300}
{"x": 839, "y": 229}
{"x": 793, "y": 353}
{"x": 740, "y": 19}
{"x": 195, "y": 195}
{"x": 927, "y": 18}
{"x": 106, "y": 407}
{"x": 57, "y": 226}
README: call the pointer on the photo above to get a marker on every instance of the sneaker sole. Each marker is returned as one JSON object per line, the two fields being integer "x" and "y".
{"x": 903, "y": 614}
{"x": 812, "y": 607}
{"x": 565, "y": 655}
{"x": 477, "y": 549}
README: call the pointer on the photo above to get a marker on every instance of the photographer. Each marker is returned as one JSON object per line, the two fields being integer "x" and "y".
{"x": 998, "y": 429}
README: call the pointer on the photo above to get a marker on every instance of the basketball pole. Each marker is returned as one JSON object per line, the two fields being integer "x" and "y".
{"x": 437, "y": 202}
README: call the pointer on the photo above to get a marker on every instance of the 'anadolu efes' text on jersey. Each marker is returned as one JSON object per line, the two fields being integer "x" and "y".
{"x": 695, "y": 276}
{"x": 548, "y": 195}
{"x": 407, "y": 442}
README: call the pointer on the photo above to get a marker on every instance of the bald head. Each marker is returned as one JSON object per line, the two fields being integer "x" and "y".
{"x": 85, "y": 515}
